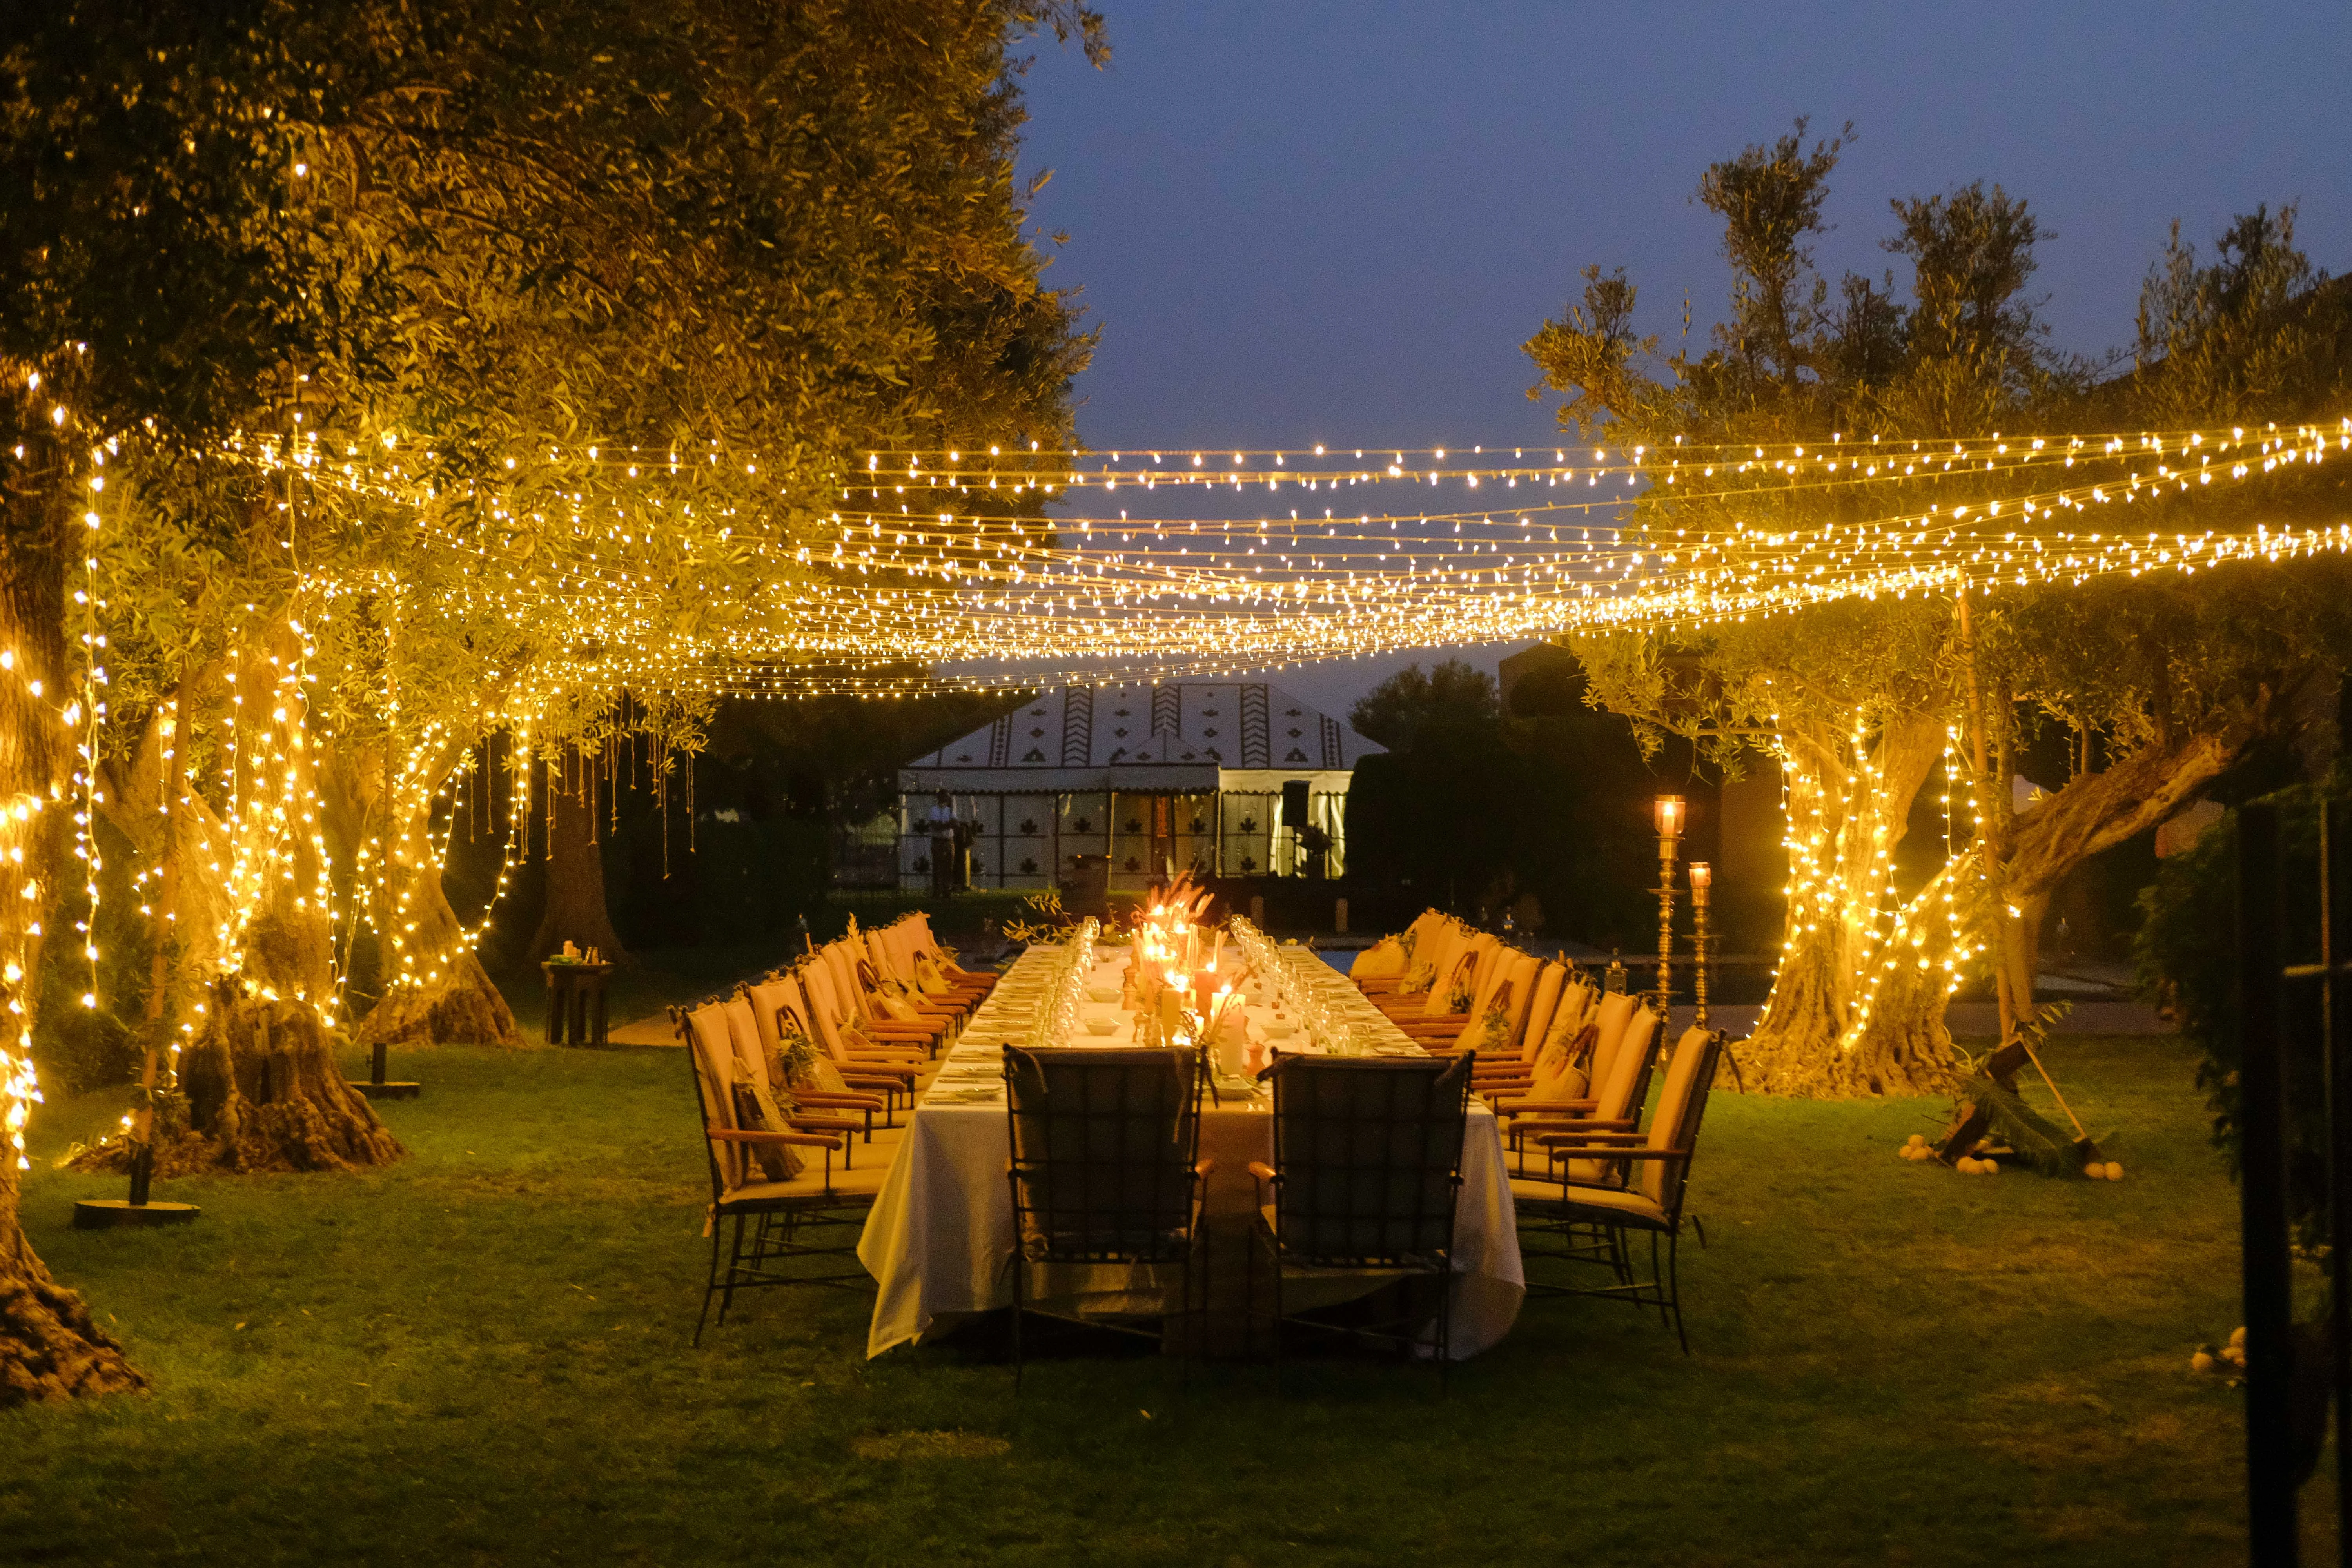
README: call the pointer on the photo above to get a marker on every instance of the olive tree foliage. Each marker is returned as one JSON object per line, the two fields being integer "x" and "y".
{"x": 366, "y": 311}
{"x": 575, "y": 255}
{"x": 1864, "y": 701}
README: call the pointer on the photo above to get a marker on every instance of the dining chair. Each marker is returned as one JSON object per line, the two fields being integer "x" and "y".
{"x": 1612, "y": 1182}
{"x": 1106, "y": 1169}
{"x": 945, "y": 956}
{"x": 847, "y": 1111}
{"x": 904, "y": 938}
{"x": 835, "y": 1011}
{"x": 778, "y": 1004}
{"x": 1432, "y": 959}
{"x": 1618, "y": 1086}
{"x": 1409, "y": 942}
{"x": 840, "y": 961}
{"x": 1558, "y": 1002}
{"x": 801, "y": 1217}
{"x": 1366, "y": 1180}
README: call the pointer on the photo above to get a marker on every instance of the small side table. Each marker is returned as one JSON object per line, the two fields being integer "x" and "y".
{"x": 575, "y": 1003}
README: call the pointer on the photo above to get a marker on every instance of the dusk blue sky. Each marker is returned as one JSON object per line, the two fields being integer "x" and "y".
{"x": 1315, "y": 222}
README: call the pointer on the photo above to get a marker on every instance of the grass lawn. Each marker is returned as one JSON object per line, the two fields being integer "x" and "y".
{"x": 480, "y": 1355}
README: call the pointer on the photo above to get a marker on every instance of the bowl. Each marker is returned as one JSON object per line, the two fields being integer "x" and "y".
{"x": 1102, "y": 1025}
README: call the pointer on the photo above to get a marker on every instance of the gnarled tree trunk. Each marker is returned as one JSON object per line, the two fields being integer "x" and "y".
{"x": 452, "y": 1000}
{"x": 264, "y": 1089}
{"x": 150, "y": 801}
{"x": 436, "y": 991}
{"x": 50, "y": 1346}
{"x": 2094, "y": 812}
{"x": 2002, "y": 913}
{"x": 1832, "y": 1028}
{"x": 266, "y": 1093}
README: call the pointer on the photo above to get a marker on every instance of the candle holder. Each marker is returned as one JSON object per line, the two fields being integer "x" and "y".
{"x": 1668, "y": 814}
{"x": 1702, "y": 877}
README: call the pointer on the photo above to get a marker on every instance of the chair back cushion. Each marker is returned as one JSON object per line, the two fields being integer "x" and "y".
{"x": 929, "y": 978}
{"x": 713, "y": 1046}
{"x": 1628, "y": 1068}
{"x": 1612, "y": 1014}
{"x": 825, "y": 1010}
{"x": 743, "y": 1032}
{"x": 1695, "y": 1056}
{"x": 1369, "y": 1152}
{"x": 768, "y": 998}
{"x": 1617, "y": 1096}
{"x": 1563, "y": 1070}
{"x": 1457, "y": 984}
{"x": 1435, "y": 958}
{"x": 841, "y": 970}
{"x": 1422, "y": 932}
{"x": 1494, "y": 1030}
{"x": 886, "y": 960}
{"x": 1569, "y": 1016}
{"x": 1102, "y": 1151}
{"x": 1537, "y": 1024}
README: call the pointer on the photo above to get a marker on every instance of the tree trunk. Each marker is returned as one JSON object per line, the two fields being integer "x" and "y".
{"x": 2095, "y": 811}
{"x": 50, "y": 1346}
{"x": 150, "y": 800}
{"x": 266, "y": 1093}
{"x": 436, "y": 992}
{"x": 1832, "y": 1027}
{"x": 2046, "y": 842}
{"x": 575, "y": 868}
{"x": 452, "y": 1000}
{"x": 264, "y": 1090}
{"x": 1896, "y": 1042}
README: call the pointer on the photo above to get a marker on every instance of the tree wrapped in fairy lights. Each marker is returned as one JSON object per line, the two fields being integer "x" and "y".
{"x": 1974, "y": 601}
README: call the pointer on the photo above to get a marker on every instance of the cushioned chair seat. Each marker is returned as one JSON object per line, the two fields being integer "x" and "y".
{"x": 1632, "y": 1208}
{"x": 861, "y": 1181}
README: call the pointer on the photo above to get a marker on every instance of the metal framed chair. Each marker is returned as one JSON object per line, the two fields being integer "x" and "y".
{"x": 756, "y": 1224}
{"x": 1603, "y": 1186}
{"x": 1619, "y": 1086}
{"x": 778, "y": 1004}
{"x": 923, "y": 943}
{"x": 1105, "y": 1169}
{"x": 1366, "y": 1179}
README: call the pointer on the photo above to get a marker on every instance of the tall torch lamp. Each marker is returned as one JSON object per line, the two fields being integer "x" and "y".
{"x": 1702, "y": 876}
{"x": 1669, "y": 814}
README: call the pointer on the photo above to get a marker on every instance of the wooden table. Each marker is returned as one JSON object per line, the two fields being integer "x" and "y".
{"x": 575, "y": 1003}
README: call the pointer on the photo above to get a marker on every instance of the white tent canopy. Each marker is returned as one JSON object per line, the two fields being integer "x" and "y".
{"x": 1156, "y": 777}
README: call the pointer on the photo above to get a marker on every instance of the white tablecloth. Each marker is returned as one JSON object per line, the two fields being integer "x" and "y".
{"x": 939, "y": 1237}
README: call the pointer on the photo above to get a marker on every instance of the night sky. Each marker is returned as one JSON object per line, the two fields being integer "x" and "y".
{"x": 1299, "y": 223}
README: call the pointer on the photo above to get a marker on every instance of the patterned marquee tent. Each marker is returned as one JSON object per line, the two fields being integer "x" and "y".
{"x": 1156, "y": 777}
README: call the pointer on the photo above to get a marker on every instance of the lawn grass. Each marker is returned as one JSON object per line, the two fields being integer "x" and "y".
{"x": 480, "y": 1355}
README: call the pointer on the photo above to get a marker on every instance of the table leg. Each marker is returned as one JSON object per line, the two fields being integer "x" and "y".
{"x": 556, "y": 1001}
{"x": 598, "y": 1037}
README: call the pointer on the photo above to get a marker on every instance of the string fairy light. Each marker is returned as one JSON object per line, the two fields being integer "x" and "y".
{"x": 692, "y": 573}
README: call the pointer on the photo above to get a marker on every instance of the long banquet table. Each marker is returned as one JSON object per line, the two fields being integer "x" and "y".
{"x": 939, "y": 1237}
